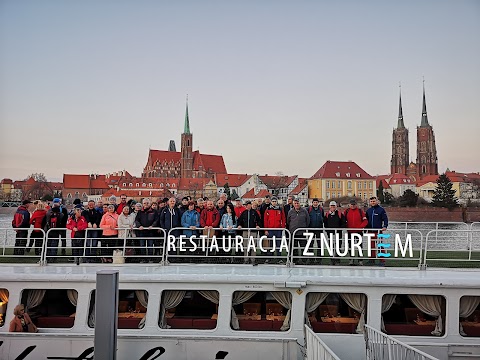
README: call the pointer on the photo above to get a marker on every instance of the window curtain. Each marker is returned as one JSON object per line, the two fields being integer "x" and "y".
{"x": 284, "y": 298}
{"x": 142, "y": 297}
{"x": 357, "y": 302}
{"x": 211, "y": 295}
{"x": 430, "y": 305}
{"x": 4, "y": 295}
{"x": 34, "y": 298}
{"x": 239, "y": 297}
{"x": 387, "y": 302}
{"x": 73, "y": 297}
{"x": 468, "y": 304}
{"x": 312, "y": 303}
{"x": 171, "y": 298}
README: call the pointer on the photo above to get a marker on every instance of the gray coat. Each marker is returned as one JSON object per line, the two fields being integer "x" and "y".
{"x": 297, "y": 219}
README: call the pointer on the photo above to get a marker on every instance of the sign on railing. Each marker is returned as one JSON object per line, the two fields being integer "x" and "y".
{"x": 380, "y": 346}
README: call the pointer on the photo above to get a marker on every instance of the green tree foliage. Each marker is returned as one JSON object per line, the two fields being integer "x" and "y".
{"x": 444, "y": 195}
{"x": 234, "y": 195}
{"x": 226, "y": 190}
{"x": 389, "y": 198}
{"x": 409, "y": 198}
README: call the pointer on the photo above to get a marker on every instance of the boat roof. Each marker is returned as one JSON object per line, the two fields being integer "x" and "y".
{"x": 241, "y": 274}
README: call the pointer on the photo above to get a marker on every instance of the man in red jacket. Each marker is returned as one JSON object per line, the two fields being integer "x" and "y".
{"x": 209, "y": 219}
{"x": 274, "y": 217}
{"x": 355, "y": 219}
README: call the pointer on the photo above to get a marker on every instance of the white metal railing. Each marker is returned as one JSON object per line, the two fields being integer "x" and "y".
{"x": 316, "y": 348}
{"x": 380, "y": 346}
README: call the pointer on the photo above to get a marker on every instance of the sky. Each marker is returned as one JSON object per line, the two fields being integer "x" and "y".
{"x": 273, "y": 86}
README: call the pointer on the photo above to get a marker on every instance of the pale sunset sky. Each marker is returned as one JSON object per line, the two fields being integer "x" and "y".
{"x": 89, "y": 86}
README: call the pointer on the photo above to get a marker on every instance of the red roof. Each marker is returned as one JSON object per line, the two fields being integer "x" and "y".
{"x": 6, "y": 181}
{"x": 398, "y": 179}
{"x": 233, "y": 180}
{"x": 384, "y": 183}
{"x": 427, "y": 179}
{"x": 193, "y": 183}
{"x": 302, "y": 182}
{"x": 275, "y": 182}
{"x": 212, "y": 163}
{"x": 72, "y": 181}
{"x": 251, "y": 194}
{"x": 138, "y": 193}
{"x": 341, "y": 170}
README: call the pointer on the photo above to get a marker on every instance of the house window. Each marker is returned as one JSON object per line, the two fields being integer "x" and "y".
{"x": 339, "y": 184}
{"x": 333, "y": 184}
{"x": 364, "y": 184}
{"x": 403, "y": 316}
{"x": 339, "y": 194}
{"x": 149, "y": 184}
{"x": 130, "y": 184}
{"x": 370, "y": 185}
{"x": 337, "y": 174}
{"x": 335, "y": 313}
{"x": 328, "y": 184}
{"x": 328, "y": 194}
{"x": 358, "y": 175}
{"x": 137, "y": 184}
{"x": 124, "y": 184}
{"x": 349, "y": 184}
{"x": 359, "y": 185}
{"x": 262, "y": 310}
{"x": 69, "y": 196}
{"x": 347, "y": 175}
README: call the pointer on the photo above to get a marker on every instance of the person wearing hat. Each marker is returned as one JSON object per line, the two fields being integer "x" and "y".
{"x": 334, "y": 219}
{"x": 183, "y": 206}
{"x": 355, "y": 218}
{"x": 57, "y": 202}
{"x": 21, "y": 221}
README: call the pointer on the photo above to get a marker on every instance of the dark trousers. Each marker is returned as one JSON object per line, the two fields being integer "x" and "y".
{"x": 77, "y": 245}
{"x": 37, "y": 238}
{"x": 20, "y": 242}
{"x": 109, "y": 243}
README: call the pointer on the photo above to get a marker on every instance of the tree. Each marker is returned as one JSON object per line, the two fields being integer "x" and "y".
{"x": 409, "y": 198}
{"x": 380, "y": 193}
{"x": 444, "y": 195}
{"x": 226, "y": 190}
{"x": 389, "y": 198}
{"x": 47, "y": 197}
{"x": 40, "y": 177}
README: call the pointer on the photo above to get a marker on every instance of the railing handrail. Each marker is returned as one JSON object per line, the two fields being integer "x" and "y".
{"x": 314, "y": 348}
{"x": 391, "y": 339}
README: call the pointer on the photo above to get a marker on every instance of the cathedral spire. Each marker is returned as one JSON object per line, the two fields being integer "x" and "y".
{"x": 400, "y": 124}
{"x": 186, "y": 129}
{"x": 424, "y": 122}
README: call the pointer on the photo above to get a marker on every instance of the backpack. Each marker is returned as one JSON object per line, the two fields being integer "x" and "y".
{"x": 17, "y": 220}
{"x": 54, "y": 220}
{"x": 362, "y": 214}
{"x": 338, "y": 212}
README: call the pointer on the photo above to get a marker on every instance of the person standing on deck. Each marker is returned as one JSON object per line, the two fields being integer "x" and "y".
{"x": 377, "y": 221}
{"x": 21, "y": 220}
{"x": 298, "y": 218}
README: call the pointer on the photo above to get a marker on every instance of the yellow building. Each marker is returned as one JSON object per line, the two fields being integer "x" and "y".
{"x": 341, "y": 178}
{"x": 6, "y": 188}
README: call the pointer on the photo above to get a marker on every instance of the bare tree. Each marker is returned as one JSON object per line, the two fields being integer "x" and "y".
{"x": 40, "y": 177}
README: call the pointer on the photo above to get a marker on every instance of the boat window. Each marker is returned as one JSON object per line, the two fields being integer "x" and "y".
{"x": 184, "y": 309}
{"x": 52, "y": 308}
{"x": 336, "y": 312}
{"x": 415, "y": 315}
{"x": 132, "y": 309}
{"x": 469, "y": 316}
{"x": 261, "y": 310}
{"x": 3, "y": 305}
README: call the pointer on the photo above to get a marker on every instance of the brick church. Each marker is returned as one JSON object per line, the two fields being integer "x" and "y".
{"x": 184, "y": 164}
{"x": 427, "y": 161}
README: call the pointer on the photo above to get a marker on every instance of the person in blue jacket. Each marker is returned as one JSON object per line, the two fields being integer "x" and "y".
{"x": 378, "y": 221}
{"x": 191, "y": 220}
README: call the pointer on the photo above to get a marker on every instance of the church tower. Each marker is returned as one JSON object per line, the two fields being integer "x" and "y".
{"x": 427, "y": 161}
{"x": 400, "y": 145}
{"x": 186, "y": 159}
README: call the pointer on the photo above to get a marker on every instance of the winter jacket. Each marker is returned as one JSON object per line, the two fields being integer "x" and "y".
{"x": 109, "y": 220}
{"x": 316, "y": 216}
{"x": 355, "y": 218}
{"x": 298, "y": 219}
{"x": 227, "y": 221}
{"x": 170, "y": 218}
{"x": 79, "y": 223}
{"x": 222, "y": 211}
{"x": 287, "y": 208}
{"x": 334, "y": 220}
{"x": 377, "y": 217}
{"x": 147, "y": 218}
{"x": 239, "y": 210}
{"x": 249, "y": 219}
{"x": 92, "y": 216}
{"x": 125, "y": 223}
{"x": 190, "y": 218}
{"x": 209, "y": 218}
{"x": 120, "y": 207}
{"x": 22, "y": 217}
{"x": 54, "y": 219}
{"x": 38, "y": 219}
{"x": 274, "y": 217}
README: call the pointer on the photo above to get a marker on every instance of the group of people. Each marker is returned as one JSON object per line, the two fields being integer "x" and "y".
{"x": 141, "y": 224}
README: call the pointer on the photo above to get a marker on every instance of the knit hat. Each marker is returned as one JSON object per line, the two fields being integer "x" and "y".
{"x": 333, "y": 203}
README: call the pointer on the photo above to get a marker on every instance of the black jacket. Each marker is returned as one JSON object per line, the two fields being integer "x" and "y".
{"x": 249, "y": 219}
{"x": 92, "y": 216}
{"x": 147, "y": 218}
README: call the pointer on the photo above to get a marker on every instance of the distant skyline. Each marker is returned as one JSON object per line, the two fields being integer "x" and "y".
{"x": 90, "y": 86}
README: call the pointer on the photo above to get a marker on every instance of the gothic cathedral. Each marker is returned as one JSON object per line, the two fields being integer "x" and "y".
{"x": 427, "y": 161}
